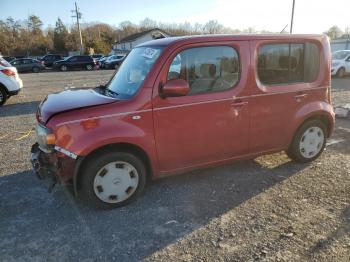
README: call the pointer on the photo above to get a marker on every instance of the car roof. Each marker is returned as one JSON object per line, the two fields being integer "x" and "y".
{"x": 239, "y": 37}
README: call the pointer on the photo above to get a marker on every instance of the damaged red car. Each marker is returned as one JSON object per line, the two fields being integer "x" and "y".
{"x": 183, "y": 103}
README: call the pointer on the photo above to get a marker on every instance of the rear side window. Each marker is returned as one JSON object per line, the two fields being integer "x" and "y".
{"x": 206, "y": 69}
{"x": 288, "y": 63}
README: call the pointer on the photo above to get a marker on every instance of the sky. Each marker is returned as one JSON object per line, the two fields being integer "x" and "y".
{"x": 310, "y": 16}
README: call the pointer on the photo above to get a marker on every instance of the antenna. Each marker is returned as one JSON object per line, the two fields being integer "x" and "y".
{"x": 78, "y": 16}
{"x": 284, "y": 28}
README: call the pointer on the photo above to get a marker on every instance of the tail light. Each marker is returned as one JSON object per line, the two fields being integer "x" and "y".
{"x": 8, "y": 72}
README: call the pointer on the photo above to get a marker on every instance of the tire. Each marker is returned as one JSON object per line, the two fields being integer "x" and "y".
{"x": 89, "y": 67}
{"x": 3, "y": 96}
{"x": 116, "y": 66}
{"x": 63, "y": 68}
{"x": 341, "y": 72}
{"x": 107, "y": 189}
{"x": 35, "y": 69}
{"x": 308, "y": 142}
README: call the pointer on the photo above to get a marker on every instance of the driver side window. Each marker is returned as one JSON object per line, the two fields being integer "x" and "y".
{"x": 206, "y": 69}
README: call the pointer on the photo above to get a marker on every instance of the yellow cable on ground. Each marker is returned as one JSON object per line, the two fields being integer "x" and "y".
{"x": 1, "y": 137}
{"x": 25, "y": 135}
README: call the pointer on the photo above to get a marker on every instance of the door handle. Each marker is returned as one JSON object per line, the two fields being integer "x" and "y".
{"x": 300, "y": 96}
{"x": 239, "y": 103}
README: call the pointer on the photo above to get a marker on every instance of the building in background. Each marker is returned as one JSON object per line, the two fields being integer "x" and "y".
{"x": 340, "y": 44}
{"x": 126, "y": 44}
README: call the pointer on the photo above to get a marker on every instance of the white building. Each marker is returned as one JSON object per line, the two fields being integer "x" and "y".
{"x": 340, "y": 44}
{"x": 126, "y": 44}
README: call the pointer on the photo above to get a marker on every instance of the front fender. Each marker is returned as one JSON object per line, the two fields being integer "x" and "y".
{"x": 83, "y": 137}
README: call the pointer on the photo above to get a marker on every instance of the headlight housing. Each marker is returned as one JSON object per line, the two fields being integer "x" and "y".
{"x": 46, "y": 138}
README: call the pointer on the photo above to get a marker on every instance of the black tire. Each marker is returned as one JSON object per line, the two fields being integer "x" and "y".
{"x": 63, "y": 68}
{"x": 116, "y": 66}
{"x": 294, "y": 151}
{"x": 89, "y": 67}
{"x": 3, "y": 96}
{"x": 341, "y": 72}
{"x": 93, "y": 168}
{"x": 35, "y": 69}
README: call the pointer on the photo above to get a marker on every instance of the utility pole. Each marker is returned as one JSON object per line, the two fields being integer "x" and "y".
{"x": 292, "y": 18}
{"x": 78, "y": 16}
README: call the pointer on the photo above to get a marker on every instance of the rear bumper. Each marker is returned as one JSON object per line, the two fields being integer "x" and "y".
{"x": 13, "y": 93}
{"x": 54, "y": 166}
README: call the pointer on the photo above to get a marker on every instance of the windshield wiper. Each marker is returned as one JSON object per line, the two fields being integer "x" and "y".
{"x": 111, "y": 93}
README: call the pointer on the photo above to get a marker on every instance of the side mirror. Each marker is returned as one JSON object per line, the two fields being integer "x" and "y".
{"x": 175, "y": 87}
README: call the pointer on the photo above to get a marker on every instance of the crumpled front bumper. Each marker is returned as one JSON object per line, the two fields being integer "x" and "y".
{"x": 44, "y": 164}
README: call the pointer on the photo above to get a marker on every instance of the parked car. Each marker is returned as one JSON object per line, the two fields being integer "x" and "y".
{"x": 97, "y": 57}
{"x": 102, "y": 59}
{"x": 27, "y": 65}
{"x": 9, "y": 58}
{"x": 75, "y": 62}
{"x": 109, "y": 60}
{"x": 10, "y": 82}
{"x": 340, "y": 63}
{"x": 49, "y": 59}
{"x": 231, "y": 98}
{"x": 114, "y": 62}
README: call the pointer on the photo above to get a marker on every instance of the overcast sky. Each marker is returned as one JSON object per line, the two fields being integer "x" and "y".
{"x": 311, "y": 16}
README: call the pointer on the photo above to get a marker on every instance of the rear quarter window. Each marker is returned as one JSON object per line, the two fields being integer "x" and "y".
{"x": 288, "y": 63}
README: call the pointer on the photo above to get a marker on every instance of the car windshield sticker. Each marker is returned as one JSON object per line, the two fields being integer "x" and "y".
{"x": 149, "y": 53}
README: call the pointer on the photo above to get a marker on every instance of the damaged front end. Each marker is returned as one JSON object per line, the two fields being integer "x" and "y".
{"x": 55, "y": 166}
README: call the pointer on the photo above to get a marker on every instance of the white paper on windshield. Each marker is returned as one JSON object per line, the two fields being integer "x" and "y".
{"x": 149, "y": 53}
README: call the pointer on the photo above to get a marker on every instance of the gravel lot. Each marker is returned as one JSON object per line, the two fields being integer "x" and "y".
{"x": 265, "y": 209}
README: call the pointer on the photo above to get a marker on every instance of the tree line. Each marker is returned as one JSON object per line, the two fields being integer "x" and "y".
{"x": 29, "y": 37}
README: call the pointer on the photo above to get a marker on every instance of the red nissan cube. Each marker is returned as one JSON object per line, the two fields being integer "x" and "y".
{"x": 183, "y": 103}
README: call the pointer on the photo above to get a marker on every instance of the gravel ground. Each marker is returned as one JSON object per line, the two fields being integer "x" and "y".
{"x": 267, "y": 209}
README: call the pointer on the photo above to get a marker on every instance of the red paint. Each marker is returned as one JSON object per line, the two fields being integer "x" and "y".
{"x": 186, "y": 132}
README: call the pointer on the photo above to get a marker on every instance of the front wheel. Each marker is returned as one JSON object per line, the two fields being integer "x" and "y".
{"x": 341, "y": 72}
{"x": 309, "y": 142}
{"x": 113, "y": 179}
{"x": 64, "y": 68}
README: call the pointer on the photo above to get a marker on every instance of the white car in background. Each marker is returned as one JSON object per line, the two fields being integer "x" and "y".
{"x": 340, "y": 63}
{"x": 10, "y": 83}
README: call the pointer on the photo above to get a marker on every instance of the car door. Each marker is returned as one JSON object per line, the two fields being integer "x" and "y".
{"x": 347, "y": 64}
{"x": 286, "y": 80}
{"x": 17, "y": 64}
{"x": 27, "y": 64}
{"x": 211, "y": 123}
{"x": 73, "y": 62}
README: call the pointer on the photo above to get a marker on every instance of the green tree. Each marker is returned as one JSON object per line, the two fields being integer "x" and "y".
{"x": 60, "y": 36}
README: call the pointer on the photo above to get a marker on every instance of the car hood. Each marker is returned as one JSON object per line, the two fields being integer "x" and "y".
{"x": 60, "y": 61}
{"x": 68, "y": 100}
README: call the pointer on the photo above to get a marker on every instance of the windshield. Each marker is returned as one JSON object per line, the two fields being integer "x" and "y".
{"x": 340, "y": 55}
{"x": 133, "y": 71}
{"x": 4, "y": 63}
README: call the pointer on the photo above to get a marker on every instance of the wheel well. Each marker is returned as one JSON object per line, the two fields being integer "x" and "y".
{"x": 324, "y": 119}
{"x": 120, "y": 147}
{"x": 4, "y": 88}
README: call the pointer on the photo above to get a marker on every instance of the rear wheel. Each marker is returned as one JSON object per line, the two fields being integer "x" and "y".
{"x": 64, "y": 68}
{"x": 3, "y": 96}
{"x": 341, "y": 72}
{"x": 36, "y": 69}
{"x": 113, "y": 179}
{"x": 116, "y": 66}
{"x": 89, "y": 67}
{"x": 309, "y": 142}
